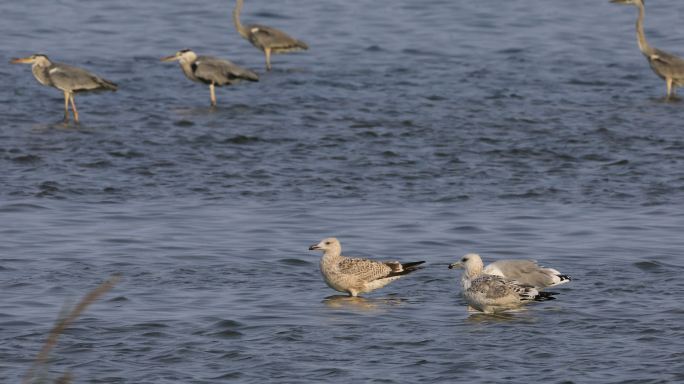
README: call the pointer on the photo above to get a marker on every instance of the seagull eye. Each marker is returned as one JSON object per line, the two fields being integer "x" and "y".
{"x": 327, "y": 243}
{"x": 465, "y": 259}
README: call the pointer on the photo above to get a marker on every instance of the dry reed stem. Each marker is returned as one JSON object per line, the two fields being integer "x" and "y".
{"x": 63, "y": 323}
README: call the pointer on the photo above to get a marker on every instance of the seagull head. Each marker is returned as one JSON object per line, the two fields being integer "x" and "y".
{"x": 471, "y": 262}
{"x": 327, "y": 245}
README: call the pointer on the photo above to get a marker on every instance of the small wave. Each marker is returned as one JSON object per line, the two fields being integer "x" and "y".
{"x": 294, "y": 262}
{"x": 649, "y": 266}
{"x": 242, "y": 139}
{"x": 27, "y": 159}
{"x": 20, "y": 207}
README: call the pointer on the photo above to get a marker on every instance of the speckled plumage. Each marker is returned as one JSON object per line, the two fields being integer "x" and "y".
{"x": 492, "y": 293}
{"x": 355, "y": 275}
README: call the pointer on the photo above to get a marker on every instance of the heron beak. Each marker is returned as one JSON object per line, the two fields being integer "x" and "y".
{"x": 170, "y": 58}
{"x": 315, "y": 247}
{"x": 23, "y": 60}
{"x": 457, "y": 264}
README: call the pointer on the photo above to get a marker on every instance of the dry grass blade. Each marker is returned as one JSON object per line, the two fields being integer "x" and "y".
{"x": 63, "y": 323}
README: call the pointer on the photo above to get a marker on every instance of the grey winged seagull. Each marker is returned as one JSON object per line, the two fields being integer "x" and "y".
{"x": 493, "y": 293}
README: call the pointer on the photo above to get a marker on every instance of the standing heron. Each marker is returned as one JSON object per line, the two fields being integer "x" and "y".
{"x": 269, "y": 40}
{"x": 668, "y": 66}
{"x": 66, "y": 78}
{"x": 210, "y": 70}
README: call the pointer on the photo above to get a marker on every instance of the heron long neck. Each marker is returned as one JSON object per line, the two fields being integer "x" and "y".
{"x": 641, "y": 37}
{"x": 186, "y": 66}
{"x": 41, "y": 72}
{"x": 242, "y": 30}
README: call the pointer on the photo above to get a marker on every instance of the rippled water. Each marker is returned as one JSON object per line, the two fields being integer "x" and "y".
{"x": 409, "y": 130}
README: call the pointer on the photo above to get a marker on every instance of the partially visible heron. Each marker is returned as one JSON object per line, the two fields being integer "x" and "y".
{"x": 269, "y": 40}
{"x": 668, "y": 66}
{"x": 66, "y": 78}
{"x": 210, "y": 70}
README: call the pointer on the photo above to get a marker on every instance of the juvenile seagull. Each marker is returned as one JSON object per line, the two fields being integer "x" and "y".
{"x": 666, "y": 65}
{"x": 526, "y": 272}
{"x": 491, "y": 293}
{"x": 66, "y": 78}
{"x": 356, "y": 276}
{"x": 268, "y": 39}
{"x": 210, "y": 70}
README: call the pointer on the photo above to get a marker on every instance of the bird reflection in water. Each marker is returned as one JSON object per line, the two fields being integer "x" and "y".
{"x": 477, "y": 317}
{"x": 361, "y": 303}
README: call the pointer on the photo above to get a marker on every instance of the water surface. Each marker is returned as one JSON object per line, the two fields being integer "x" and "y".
{"x": 409, "y": 131}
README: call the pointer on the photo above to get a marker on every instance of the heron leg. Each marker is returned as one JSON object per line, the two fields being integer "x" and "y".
{"x": 66, "y": 106}
{"x": 213, "y": 94}
{"x": 267, "y": 52}
{"x": 668, "y": 81}
{"x": 73, "y": 107}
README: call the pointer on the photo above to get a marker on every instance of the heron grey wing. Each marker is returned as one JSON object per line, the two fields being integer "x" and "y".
{"x": 220, "y": 72}
{"x": 236, "y": 72}
{"x": 74, "y": 79}
{"x": 208, "y": 70}
{"x": 667, "y": 63}
{"x": 364, "y": 269}
{"x": 273, "y": 38}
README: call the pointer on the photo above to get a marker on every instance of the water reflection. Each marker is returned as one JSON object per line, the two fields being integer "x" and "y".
{"x": 360, "y": 303}
{"x": 477, "y": 317}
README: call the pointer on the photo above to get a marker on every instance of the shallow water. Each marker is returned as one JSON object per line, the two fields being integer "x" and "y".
{"x": 409, "y": 131}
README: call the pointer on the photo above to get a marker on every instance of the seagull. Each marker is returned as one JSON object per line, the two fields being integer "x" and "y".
{"x": 355, "y": 276}
{"x": 526, "y": 272}
{"x": 66, "y": 78}
{"x": 210, "y": 70}
{"x": 491, "y": 293}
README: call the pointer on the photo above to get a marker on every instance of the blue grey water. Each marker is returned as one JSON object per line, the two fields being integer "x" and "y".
{"x": 410, "y": 130}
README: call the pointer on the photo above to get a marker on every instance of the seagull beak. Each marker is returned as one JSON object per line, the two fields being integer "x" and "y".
{"x": 24, "y": 60}
{"x": 170, "y": 58}
{"x": 314, "y": 247}
{"x": 457, "y": 264}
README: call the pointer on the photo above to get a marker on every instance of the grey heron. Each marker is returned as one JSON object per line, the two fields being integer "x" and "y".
{"x": 210, "y": 70}
{"x": 269, "y": 40}
{"x": 668, "y": 66}
{"x": 66, "y": 78}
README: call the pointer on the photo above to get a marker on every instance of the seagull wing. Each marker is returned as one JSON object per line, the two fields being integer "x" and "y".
{"x": 365, "y": 269}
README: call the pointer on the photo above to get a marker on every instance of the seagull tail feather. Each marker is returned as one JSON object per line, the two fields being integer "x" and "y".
{"x": 406, "y": 268}
{"x": 545, "y": 296}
